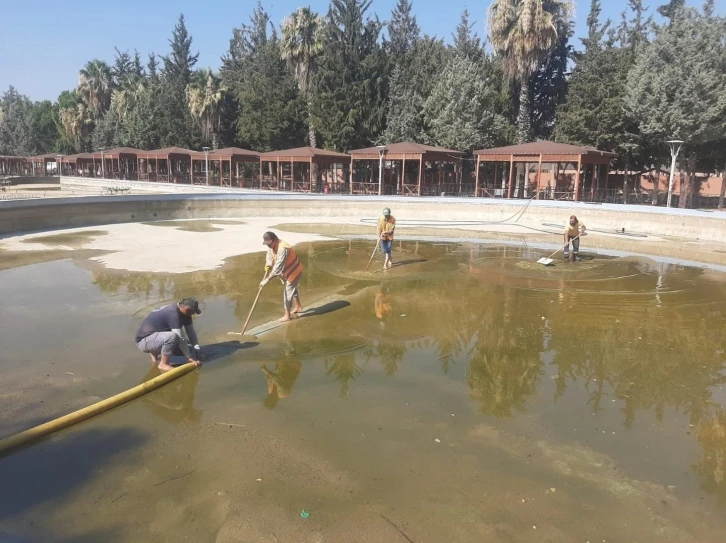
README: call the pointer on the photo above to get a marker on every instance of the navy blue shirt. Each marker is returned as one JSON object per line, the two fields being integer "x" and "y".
{"x": 164, "y": 319}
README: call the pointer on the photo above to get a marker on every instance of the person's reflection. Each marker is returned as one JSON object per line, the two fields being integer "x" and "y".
{"x": 174, "y": 402}
{"x": 281, "y": 379}
{"x": 383, "y": 305}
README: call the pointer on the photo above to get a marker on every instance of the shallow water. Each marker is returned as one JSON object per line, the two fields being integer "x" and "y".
{"x": 467, "y": 394}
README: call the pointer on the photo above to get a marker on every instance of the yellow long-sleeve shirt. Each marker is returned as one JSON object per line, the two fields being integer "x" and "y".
{"x": 386, "y": 226}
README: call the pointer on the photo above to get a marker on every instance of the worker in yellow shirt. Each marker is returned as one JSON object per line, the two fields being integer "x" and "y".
{"x": 386, "y": 227}
{"x": 573, "y": 230}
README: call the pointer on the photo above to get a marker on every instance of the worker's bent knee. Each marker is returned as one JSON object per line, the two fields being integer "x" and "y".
{"x": 170, "y": 343}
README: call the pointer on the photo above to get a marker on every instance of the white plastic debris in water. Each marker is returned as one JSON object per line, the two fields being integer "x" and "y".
{"x": 437, "y": 440}
{"x": 403, "y": 315}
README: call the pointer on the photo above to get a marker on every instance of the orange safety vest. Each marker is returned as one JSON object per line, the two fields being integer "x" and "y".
{"x": 293, "y": 267}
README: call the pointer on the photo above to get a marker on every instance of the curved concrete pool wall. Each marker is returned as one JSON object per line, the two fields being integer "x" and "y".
{"x": 55, "y": 213}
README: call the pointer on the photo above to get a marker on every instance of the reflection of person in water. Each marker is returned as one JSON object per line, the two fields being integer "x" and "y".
{"x": 280, "y": 380}
{"x": 174, "y": 402}
{"x": 383, "y": 304}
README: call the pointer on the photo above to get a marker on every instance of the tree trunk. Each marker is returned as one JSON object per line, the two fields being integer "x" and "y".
{"x": 656, "y": 184}
{"x": 683, "y": 197}
{"x": 524, "y": 120}
{"x": 692, "y": 164}
{"x": 313, "y": 140}
{"x": 625, "y": 180}
{"x": 311, "y": 132}
{"x": 723, "y": 189}
{"x": 215, "y": 141}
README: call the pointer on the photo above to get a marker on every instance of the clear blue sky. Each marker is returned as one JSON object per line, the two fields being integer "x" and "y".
{"x": 43, "y": 43}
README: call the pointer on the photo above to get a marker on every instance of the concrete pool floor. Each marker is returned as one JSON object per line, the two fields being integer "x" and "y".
{"x": 462, "y": 396}
{"x": 206, "y": 243}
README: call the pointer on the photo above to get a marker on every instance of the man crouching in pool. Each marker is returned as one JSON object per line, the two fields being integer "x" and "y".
{"x": 160, "y": 333}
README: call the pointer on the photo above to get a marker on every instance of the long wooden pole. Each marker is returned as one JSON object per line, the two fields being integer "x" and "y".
{"x": 254, "y": 304}
{"x": 374, "y": 253}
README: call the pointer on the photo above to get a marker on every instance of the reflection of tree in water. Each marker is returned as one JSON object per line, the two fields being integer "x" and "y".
{"x": 502, "y": 381}
{"x": 504, "y": 368}
{"x": 711, "y": 467}
{"x": 389, "y": 354}
{"x": 344, "y": 369}
{"x": 651, "y": 356}
{"x": 649, "y": 340}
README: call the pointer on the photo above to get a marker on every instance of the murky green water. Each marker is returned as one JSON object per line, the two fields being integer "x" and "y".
{"x": 467, "y": 394}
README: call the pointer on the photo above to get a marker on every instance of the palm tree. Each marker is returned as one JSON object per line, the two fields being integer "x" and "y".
{"x": 524, "y": 33}
{"x": 301, "y": 44}
{"x": 76, "y": 123}
{"x": 95, "y": 86}
{"x": 205, "y": 98}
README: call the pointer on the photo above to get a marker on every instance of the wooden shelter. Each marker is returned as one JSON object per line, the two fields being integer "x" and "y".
{"x": 236, "y": 167}
{"x": 171, "y": 164}
{"x": 116, "y": 163}
{"x": 539, "y": 153}
{"x": 69, "y": 164}
{"x": 38, "y": 165}
{"x": 283, "y": 175}
{"x": 12, "y": 165}
{"x": 437, "y": 170}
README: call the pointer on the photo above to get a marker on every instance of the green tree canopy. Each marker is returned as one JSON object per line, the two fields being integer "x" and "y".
{"x": 270, "y": 111}
{"x": 465, "y": 111}
{"x": 351, "y": 84}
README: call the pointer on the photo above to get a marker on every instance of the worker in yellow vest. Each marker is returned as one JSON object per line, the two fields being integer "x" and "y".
{"x": 281, "y": 261}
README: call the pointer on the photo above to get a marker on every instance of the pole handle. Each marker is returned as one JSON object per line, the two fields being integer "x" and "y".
{"x": 259, "y": 291}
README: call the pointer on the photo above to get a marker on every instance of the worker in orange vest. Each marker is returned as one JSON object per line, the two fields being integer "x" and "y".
{"x": 281, "y": 261}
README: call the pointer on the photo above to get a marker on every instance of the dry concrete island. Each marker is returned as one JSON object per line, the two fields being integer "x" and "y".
{"x": 443, "y": 376}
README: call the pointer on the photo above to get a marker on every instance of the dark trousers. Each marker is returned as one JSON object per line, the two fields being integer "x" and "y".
{"x": 575, "y": 246}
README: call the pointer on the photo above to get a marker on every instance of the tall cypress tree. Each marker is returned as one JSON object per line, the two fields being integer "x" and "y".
{"x": 595, "y": 30}
{"x": 175, "y": 124}
{"x": 179, "y": 64}
{"x": 410, "y": 86}
{"x": 349, "y": 105}
{"x": 670, "y": 9}
{"x": 548, "y": 85}
{"x": 269, "y": 111}
{"x": 403, "y": 31}
{"x": 466, "y": 41}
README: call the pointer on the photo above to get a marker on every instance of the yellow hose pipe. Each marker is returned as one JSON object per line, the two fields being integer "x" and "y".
{"x": 65, "y": 421}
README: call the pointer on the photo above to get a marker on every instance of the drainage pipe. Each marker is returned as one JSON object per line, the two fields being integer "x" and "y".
{"x": 48, "y": 428}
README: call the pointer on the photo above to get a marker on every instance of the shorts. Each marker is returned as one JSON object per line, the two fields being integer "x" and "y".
{"x": 164, "y": 343}
{"x": 290, "y": 291}
{"x": 386, "y": 246}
